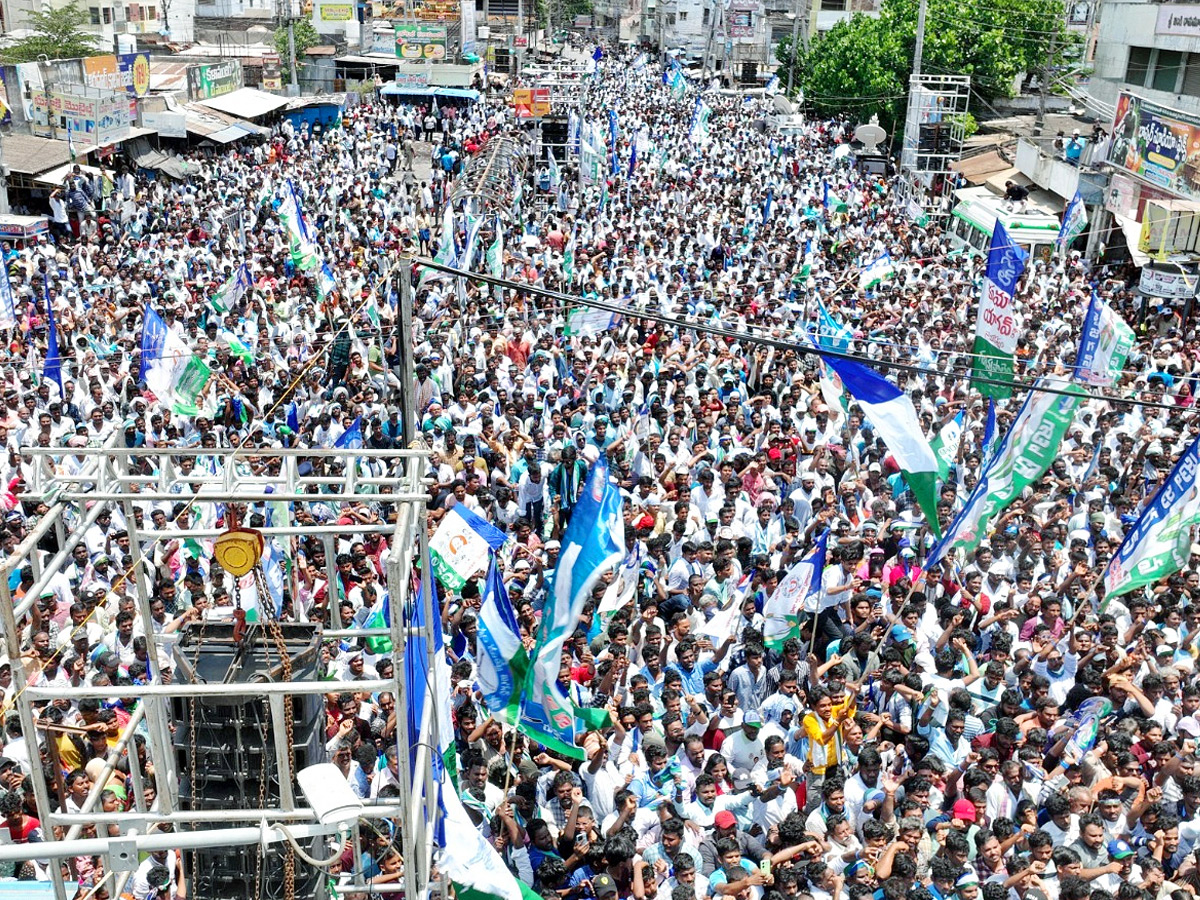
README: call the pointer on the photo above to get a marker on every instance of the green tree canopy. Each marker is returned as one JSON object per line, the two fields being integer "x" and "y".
{"x": 863, "y": 64}
{"x": 57, "y": 34}
{"x": 305, "y": 36}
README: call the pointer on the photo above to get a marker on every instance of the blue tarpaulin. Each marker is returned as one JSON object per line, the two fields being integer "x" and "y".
{"x": 405, "y": 90}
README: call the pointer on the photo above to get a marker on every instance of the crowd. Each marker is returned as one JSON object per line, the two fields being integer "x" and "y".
{"x": 915, "y": 742}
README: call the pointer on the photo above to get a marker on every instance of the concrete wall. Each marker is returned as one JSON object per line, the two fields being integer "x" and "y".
{"x": 1125, "y": 24}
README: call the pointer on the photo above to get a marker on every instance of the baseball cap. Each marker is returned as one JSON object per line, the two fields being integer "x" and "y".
{"x": 604, "y": 886}
{"x": 723, "y": 819}
{"x": 963, "y": 809}
{"x": 1188, "y": 725}
{"x": 752, "y": 717}
{"x": 1119, "y": 850}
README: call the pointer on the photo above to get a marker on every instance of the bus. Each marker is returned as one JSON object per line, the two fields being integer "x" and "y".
{"x": 973, "y": 220}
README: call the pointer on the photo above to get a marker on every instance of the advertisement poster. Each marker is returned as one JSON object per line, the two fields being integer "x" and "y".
{"x": 216, "y": 80}
{"x": 1156, "y": 144}
{"x": 272, "y": 72}
{"x": 421, "y": 41}
{"x": 337, "y": 12}
{"x": 740, "y": 18}
{"x": 383, "y": 43}
{"x": 468, "y": 26}
{"x": 129, "y": 72}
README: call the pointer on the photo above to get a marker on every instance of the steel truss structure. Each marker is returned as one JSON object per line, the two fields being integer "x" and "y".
{"x": 117, "y": 478}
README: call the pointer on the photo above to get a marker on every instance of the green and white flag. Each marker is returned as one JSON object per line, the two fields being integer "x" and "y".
{"x": 461, "y": 545}
{"x": 447, "y": 254}
{"x": 1159, "y": 543}
{"x": 190, "y": 386}
{"x": 945, "y": 445}
{"x": 1104, "y": 345}
{"x": 876, "y": 271}
{"x": 799, "y": 592}
{"x": 555, "y": 174}
{"x": 236, "y": 347}
{"x": 502, "y": 664}
{"x": 996, "y": 324}
{"x": 306, "y": 255}
{"x": 569, "y": 259}
{"x": 232, "y": 292}
{"x": 495, "y": 253}
{"x": 1024, "y": 455}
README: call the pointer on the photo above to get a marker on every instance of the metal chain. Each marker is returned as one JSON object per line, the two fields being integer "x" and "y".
{"x": 285, "y": 663}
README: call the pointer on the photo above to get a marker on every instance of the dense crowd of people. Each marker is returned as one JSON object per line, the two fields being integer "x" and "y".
{"x": 913, "y": 742}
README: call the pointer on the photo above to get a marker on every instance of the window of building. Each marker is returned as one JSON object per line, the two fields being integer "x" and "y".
{"x": 1191, "y": 76}
{"x": 1167, "y": 68}
{"x": 704, "y": 17}
{"x": 1138, "y": 66}
{"x": 670, "y": 18}
{"x": 834, "y": 5}
{"x": 107, "y": 15}
{"x": 94, "y": 12}
{"x": 682, "y": 15}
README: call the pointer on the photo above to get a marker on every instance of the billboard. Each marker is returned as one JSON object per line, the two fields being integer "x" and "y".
{"x": 468, "y": 26}
{"x": 1157, "y": 144}
{"x": 740, "y": 18}
{"x": 420, "y": 41}
{"x": 337, "y": 12}
{"x": 272, "y": 72}
{"x": 215, "y": 80}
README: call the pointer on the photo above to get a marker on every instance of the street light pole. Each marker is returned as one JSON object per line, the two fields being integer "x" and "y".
{"x": 795, "y": 37}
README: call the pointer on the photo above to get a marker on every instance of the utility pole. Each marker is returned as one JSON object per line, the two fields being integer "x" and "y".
{"x": 795, "y": 37}
{"x": 921, "y": 11}
{"x": 1040, "y": 121}
{"x": 295, "y": 82}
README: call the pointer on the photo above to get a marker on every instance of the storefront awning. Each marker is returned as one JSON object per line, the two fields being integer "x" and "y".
{"x": 27, "y": 154}
{"x": 57, "y": 177}
{"x": 246, "y": 103}
{"x": 1132, "y": 230}
{"x": 404, "y": 90}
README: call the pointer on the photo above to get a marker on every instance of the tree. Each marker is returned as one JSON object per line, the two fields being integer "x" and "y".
{"x": 305, "y": 36}
{"x": 862, "y": 65}
{"x": 57, "y": 34}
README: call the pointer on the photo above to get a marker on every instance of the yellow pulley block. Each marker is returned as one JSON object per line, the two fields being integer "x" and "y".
{"x": 239, "y": 550}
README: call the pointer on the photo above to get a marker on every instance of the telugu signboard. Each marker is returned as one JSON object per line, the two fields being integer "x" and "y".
{"x": 128, "y": 72}
{"x": 337, "y": 12}
{"x": 740, "y": 18}
{"x": 1178, "y": 19}
{"x": 208, "y": 81}
{"x": 1157, "y": 144}
{"x": 420, "y": 41}
{"x": 272, "y": 72}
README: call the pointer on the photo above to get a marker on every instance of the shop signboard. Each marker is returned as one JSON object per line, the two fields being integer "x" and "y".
{"x": 214, "y": 80}
{"x": 415, "y": 41}
{"x": 1159, "y": 145}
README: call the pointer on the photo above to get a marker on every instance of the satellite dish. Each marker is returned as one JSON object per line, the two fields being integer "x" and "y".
{"x": 783, "y": 105}
{"x": 870, "y": 135}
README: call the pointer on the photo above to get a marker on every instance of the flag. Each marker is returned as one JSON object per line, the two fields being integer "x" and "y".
{"x": 678, "y": 85}
{"x": 447, "y": 253}
{"x": 352, "y": 437}
{"x": 495, "y": 253}
{"x": 989, "y": 431}
{"x": 52, "y": 370}
{"x": 799, "y": 591}
{"x": 613, "y": 135}
{"x": 573, "y": 133}
{"x": 305, "y": 253}
{"x": 70, "y": 140}
{"x": 555, "y": 174}
{"x": 1024, "y": 455}
{"x": 698, "y": 131}
{"x": 164, "y": 355}
{"x": 460, "y": 546}
{"x": 772, "y": 87}
{"x": 632, "y": 157}
{"x": 640, "y": 62}
{"x": 502, "y": 663}
{"x": 474, "y": 224}
{"x": 466, "y": 857}
{"x": 428, "y": 694}
{"x": 1159, "y": 543}
{"x": 1103, "y": 346}
{"x": 326, "y": 283}
{"x": 232, "y": 291}
{"x": 293, "y": 418}
{"x": 891, "y": 412}
{"x": 236, "y": 347}
{"x": 945, "y": 445}
{"x": 594, "y": 542}
{"x": 190, "y": 386}
{"x": 831, "y": 201}
{"x": 8, "y": 306}
{"x": 832, "y": 334}
{"x": 767, "y": 205}
{"x": 569, "y": 258}
{"x": 1075, "y": 219}
{"x": 876, "y": 271}
{"x": 588, "y": 321}
{"x": 996, "y": 325}
{"x": 380, "y": 616}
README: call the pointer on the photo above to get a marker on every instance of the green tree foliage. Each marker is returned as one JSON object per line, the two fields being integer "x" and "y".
{"x": 863, "y": 64}
{"x": 57, "y": 34}
{"x": 305, "y": 36}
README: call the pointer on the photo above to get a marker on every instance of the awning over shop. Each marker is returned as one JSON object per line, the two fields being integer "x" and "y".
{"x": 405, "y": 90}
{"x": 149, "y": 158}
{"x": 978, "y": 169}
{"x": 26, "y": 154}
{"x": 246, "y": 103}
{"x": 208, "y": 123}
{"x": 1132, "y": 230}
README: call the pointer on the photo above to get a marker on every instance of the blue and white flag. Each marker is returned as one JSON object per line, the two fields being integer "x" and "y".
{"x": 678, "y": 85}
{"x": 555, "y": 174}
{"x": 799, "y": 591}
{"x": 989, "y": 432}
{"x": 632, "y": 157}
{"x": 573, "y": 133}
{"x": 832, "y": 334}
{"x": 52, "y": 370}
{"x": 613, "y": 135}
{"x": 593, "y": 544}
{"x": 1159, "y": 543}
{"x": 698, "y": 131}
{"x": 876, "y": 271}
{"x": 501, "y": 661}
{"x": 772, "y": 87}
{"x": 461, "y": 545}
{"x": 1075, "y": 219}
{"x": 1104, "y": 345}
{"x": 766, "y": 215}
{"x": 164, "y": 356}
{"x": 352, "y": 437}
{"x": 231, "y": 293}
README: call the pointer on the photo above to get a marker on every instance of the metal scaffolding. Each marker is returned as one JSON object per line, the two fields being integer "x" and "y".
{"x": 118, "y": 478}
